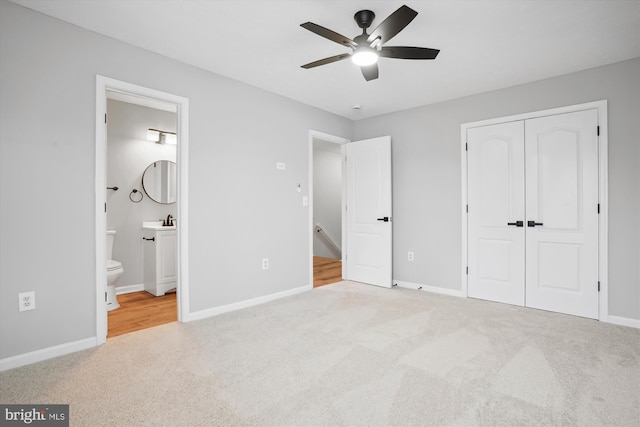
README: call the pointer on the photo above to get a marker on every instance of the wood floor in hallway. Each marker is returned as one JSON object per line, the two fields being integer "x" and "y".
{"x": 326, "y": 271}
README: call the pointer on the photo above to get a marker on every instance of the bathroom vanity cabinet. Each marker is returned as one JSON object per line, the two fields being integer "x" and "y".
{"x": 160, "y": 258}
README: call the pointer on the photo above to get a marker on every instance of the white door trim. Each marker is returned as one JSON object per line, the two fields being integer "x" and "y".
{"x": 102, "y": 85}
{"x": 313, "y": 135}
{"x": 603, "y": 219}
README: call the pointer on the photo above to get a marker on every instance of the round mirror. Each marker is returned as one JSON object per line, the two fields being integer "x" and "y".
{"x": 159, "y": 181}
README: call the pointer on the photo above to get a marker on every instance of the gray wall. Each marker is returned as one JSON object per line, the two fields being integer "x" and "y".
{"x": 241, "y": 208}
{"x": 327, "y": 197}
{"x": 128, "y": 155}
{"x": 426, "y": 173}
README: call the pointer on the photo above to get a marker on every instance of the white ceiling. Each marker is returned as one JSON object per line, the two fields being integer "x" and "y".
{"x": 485, "y": 44}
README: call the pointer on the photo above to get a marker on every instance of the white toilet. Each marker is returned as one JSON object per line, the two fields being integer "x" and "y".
{"x": 114, "y": 271}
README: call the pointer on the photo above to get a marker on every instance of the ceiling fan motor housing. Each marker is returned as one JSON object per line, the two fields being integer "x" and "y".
{"x": 364, "y": 18}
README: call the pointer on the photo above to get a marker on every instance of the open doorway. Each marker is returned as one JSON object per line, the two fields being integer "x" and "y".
{"x": 167, "y": 114}
{"x": 326, "y": 213}
{"x": 141, "y": 199}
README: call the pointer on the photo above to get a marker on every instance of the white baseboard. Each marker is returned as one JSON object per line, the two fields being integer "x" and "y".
{"x": 129, "y": 289}
{"x": 210, "y": 312}
{"x": 615, "y": 320}
{"x": 46, "y": 353}
{"x": 624, "y": 321}
{"x": 429, "y": 288}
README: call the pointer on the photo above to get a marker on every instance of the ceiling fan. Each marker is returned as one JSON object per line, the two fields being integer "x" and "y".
{"x": 366, "y": 48}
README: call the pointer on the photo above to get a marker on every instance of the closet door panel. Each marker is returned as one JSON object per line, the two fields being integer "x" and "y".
{"x": 496, "y": 197}
{"x": 561, "y": 166}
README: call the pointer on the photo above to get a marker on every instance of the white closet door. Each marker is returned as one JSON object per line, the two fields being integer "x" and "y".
{"x": 561, "y": 206}
{"x": 495, "y": 159}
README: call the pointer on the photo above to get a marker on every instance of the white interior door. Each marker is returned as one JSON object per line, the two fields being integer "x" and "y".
{"x": 496, "y": 213}
{"x": 368, "y": 205}
{"x": 562, "y": 213}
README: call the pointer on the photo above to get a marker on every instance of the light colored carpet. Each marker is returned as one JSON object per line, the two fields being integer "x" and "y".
{"x": 351, "y": 354}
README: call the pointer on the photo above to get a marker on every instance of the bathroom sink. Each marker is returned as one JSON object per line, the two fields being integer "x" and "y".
{"x": 156, "y": 225}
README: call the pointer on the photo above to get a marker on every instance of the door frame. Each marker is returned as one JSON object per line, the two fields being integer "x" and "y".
{"x": 314, "y": 135}
{"x": 603, "y": 173}
{"x": 104, "y": 84}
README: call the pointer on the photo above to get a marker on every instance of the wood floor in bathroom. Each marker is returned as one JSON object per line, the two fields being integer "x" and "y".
{"x": 141, "y": 310}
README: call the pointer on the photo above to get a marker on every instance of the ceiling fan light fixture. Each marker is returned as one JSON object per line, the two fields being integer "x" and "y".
{"x": 369, "y": 46}
{"x": 364, "y": 56}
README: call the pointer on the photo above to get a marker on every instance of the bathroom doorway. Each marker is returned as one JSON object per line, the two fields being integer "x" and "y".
{"x": 141, "y": 182}
{"x": 326, "y": 166}
{"x": 124, "y": 115}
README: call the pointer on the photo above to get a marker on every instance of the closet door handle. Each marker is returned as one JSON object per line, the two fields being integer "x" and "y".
{"x": 533, "y": 223}
{"x": 384, "y": 218}
{"x": 517, "y": 223}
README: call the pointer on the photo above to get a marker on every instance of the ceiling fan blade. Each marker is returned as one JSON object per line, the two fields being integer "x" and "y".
{"x": 370, "y": 72}
{"x": 328, "y": 34}
{"x": 407, "y": 52}
{"x": 393, "y": 24}
{"x": 325, "y": 61}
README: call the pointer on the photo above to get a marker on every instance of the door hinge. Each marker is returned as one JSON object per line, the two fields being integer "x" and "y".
{"x": 467, "y": 208}
{"x": 105, "y": 207}
{"x": 598, "y": 286}
{"x": 467, "y": 270}
{"x": 598, "y": 208}
{"x": 105, "y": 297}
{"x": 105, "y": 118}
{"x": 598, "y": 130}
{"x": 466, "y": 146}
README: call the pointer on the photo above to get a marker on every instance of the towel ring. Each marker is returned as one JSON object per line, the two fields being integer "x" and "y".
{"x": 132, "y": 196}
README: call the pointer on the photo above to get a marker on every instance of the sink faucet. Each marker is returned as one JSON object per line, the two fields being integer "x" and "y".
{"x": 168, "y": 222}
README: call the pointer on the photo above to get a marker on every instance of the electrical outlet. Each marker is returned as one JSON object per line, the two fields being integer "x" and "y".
{"x": 26, "y": 301}
{"x": 410, "y": 256}
{"x": 281, "y": 166}
{"x": 265, "y": 263}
